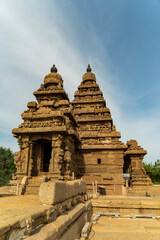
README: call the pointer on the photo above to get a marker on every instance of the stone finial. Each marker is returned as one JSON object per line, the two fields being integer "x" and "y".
{"x": 89, "y": 69}
{"x": 53, "y": 69}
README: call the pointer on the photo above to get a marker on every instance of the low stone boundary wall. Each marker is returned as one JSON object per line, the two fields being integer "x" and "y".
{"x": 62, "y": 195}
{"x": 51, "y": 193}
{"x": 70, "y": 196}
{"x": 64, "y": 211}
{"x": 21, "y": 226}
{"x": 66, "y": 226}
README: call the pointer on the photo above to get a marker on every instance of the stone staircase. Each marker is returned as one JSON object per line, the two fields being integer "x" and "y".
{"x": 153, "y": 191}
{"x": 33, "y": 185}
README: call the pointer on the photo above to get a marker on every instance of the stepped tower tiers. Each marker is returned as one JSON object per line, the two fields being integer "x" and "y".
{"x": 47, "y": 136}
{"x": 100, "y": 151}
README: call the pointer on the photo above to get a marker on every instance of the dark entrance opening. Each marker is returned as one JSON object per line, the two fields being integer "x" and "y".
{"x": 47, "y": 149}
{"x": 99, "y": 161}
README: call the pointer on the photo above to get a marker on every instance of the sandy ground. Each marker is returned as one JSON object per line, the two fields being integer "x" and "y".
{"x": 19, "y": 202}
{"x": 16, "y": 206}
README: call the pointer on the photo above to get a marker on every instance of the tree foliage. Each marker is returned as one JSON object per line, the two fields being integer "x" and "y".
{"x": 7, "y": 166}
{"x": 153, "y": 170}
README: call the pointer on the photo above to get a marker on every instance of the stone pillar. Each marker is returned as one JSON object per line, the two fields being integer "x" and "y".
{"x": 25, "y": 156}
{"x": 53, "y": 153}
{"x": 21, "y": 158}
{"x": 31, "y": 159}
{"x": 57, "y": 159}
{"x": 68, "y": 159}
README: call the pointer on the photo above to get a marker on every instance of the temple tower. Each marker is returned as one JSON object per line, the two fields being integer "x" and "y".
{"x": 100, "y": 151}
{"x": 47, "y": 136}
{"x": 133, "y": 164}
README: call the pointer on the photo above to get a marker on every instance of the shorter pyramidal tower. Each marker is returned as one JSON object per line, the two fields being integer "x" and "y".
{"x": 100, "y": 151}
{"x": 47, "y": 136}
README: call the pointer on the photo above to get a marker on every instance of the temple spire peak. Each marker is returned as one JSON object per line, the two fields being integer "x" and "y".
{"x": 89, "y": 69}
{"x": 54, "y": 69}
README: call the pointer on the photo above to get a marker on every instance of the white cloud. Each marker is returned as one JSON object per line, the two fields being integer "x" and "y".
{"x": 29, "y": 45}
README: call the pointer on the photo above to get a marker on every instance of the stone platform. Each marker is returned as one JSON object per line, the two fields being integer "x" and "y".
{"x": 127, "y": 205}
{"x": 125, "y": 217}
{"x": 108, "y": 228}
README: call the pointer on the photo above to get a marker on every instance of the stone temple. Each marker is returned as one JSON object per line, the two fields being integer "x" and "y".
{"x": 63, "y": 140}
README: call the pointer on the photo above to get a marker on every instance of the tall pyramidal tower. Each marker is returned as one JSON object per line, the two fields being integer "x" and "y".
{"x": 100, "y": 151}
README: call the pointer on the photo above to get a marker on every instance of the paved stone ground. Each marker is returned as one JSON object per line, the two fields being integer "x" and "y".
{"x": 15, "y": 206}
{"x": 107, "y": 228}
{"x": 124, "y": 228}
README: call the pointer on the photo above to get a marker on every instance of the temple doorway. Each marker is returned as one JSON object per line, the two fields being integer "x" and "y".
{"x": 46, "y": 155}
{"x": 41, "y": 155}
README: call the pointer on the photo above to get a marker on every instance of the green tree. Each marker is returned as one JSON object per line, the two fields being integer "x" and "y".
{"x": 153, "y": 170}
{"x": 7, "y": 166}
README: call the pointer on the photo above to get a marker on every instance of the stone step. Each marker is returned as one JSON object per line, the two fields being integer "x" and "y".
{"x": 34, "y": 182}
{"x": 32, "y": 190}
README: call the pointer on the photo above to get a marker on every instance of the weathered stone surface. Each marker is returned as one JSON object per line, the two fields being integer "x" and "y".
{"x": 76, "y": 211}
{"x": 48, "y": 232}
{"x": 71, "y": 192}
{"x": 62, "y": 223}
{"x": 58, "y": 191}
{"x": 52, "y": 192}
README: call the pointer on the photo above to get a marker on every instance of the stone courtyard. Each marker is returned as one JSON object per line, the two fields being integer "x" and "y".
{"x": 111, "y": 217}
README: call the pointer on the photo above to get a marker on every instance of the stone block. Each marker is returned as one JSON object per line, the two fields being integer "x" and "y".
{"x": 74, "y": 188}
{"x": 70, "y": 189}
{"x": 32, "y": 104}
{"x": 48, "y": 232}
{"x": 52, "y": 192}
{"x": 77, "y": 187}
{"x": 75, "y": 213}
{"x": 62, "y": 223}
{"x": 83, "y": 186}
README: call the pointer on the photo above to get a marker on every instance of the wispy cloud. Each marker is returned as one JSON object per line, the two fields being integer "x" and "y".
{"x": 32, "y": 39}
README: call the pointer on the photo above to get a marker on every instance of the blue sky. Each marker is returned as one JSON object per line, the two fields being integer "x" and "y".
{"x": 121, "y": 40}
